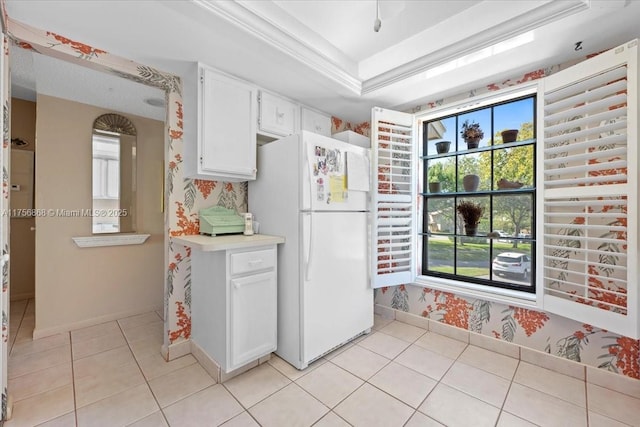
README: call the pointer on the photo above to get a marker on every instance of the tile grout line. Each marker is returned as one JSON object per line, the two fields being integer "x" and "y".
{"x": 506, "y": 396}
{"x": 24, "y": 312}
{"x": 245, "y": 409}
{"x": 73, "y": 380}
{"x": 438, "y": 382}
{"x": 586, "y": 396}
{"x": 387, "y": 364}
{"x": 143, "y": 375}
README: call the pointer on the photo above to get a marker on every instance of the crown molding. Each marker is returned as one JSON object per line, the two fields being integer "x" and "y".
{"x": 267, "y": 32}
{"x": 528, "y": 21}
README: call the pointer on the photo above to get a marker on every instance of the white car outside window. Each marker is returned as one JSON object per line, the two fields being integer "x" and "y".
{"x": 512, "y": 263}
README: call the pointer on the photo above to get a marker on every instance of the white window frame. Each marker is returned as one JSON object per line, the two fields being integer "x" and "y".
{"x": 473, "y": 290}
{"x": 544, "y": 299}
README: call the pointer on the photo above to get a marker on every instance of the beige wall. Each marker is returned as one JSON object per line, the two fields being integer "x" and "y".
{"x": 76, "y": 287}
{"x": 22, "y": 238}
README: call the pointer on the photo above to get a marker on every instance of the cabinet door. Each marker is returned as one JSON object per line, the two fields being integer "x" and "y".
{"x": 252, "y": 318}
{"x": 278, "y": 116}
{"x": 316, "y": 122}
{"x": 227, "y": 136}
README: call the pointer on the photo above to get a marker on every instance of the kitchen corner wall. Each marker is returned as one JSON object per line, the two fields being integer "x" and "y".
{"x": 76, "y": 286}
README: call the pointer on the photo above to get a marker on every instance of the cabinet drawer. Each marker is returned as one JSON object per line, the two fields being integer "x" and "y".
{"x": 246, "y": 262}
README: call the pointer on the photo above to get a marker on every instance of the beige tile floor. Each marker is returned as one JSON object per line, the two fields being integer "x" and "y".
{"x": 399, "y": 375}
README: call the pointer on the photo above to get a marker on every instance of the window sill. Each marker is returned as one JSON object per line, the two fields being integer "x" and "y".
{"x": 469, "y": 290}
{"x": 110, "y": 240}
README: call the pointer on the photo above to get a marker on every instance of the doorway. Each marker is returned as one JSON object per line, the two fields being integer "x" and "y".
{"x": 74, "y": 287}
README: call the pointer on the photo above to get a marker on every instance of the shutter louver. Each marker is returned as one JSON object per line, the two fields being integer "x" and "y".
{"x": 590, "y": 167}
{"x": 393, "y": 211}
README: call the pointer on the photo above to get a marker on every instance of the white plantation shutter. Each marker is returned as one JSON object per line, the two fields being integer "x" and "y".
{"x": 588, "y": 259}
{"x": 393, "y": 198}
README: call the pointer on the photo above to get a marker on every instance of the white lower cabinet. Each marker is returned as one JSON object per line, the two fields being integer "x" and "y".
{"x": 234, "y": 304}
{"x": 253, "y": 317}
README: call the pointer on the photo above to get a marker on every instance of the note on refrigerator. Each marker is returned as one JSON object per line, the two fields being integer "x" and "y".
{"x": 357, "y": 172}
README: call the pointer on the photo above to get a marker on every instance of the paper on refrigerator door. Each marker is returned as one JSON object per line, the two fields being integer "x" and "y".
{"x": 357, "y": 172}
{"x": 327, "y": 169}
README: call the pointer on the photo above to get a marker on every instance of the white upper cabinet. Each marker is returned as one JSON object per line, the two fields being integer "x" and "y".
{"x": 316, "y": 122}
{"x": 225, "y": 118}
{"x": 277, "y": 116}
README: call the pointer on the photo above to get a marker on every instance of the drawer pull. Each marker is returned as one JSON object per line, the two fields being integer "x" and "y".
{"x": 255, "y": 262}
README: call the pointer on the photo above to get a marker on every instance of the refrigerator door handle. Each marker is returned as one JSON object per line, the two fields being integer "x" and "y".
{"x": 309, "y": 259}
{"x": 310, "y": 180}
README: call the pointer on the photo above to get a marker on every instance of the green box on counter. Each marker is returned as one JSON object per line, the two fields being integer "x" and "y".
{"x": 220, "y": 220}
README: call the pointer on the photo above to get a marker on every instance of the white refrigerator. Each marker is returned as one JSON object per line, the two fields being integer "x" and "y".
{"x": 312, "y": 190}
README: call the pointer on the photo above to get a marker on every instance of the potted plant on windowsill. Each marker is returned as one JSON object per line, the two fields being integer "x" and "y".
{"x": 471, "y": 133}
{"x": 442, "y": 147}
{"x": 471, "y": 214}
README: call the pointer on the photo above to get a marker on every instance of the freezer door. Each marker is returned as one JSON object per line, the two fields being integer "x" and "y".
{"x": 326, "y": 174}
{"x": 337, "y": 300}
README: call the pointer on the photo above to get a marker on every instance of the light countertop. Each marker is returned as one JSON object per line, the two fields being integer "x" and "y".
{"x": 227, "y": 241}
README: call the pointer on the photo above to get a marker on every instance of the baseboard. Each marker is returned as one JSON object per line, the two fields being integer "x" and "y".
{"x": 209, "y": 365}
{"x": 19, "y": 297}
{"x": 579, "y": 370}
{"x": 175, "y": 350}
{"x": 386, "y": 312}
{"x": 45, "y": 332}
{"x": 213, "y": 368}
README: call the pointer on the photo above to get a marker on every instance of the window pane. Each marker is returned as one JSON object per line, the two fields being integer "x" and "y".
{"x": 472, "y": 166}
{"x": 472, "y": 257}
{"x": 443, "y": 171}
{"x": 483, "y": 203}
{"x": 440, "y": 251}
{"x": 512, "y": 214}
{"x": 439, "y": 131}
{"x": 516, "y": 115}
{"x": 512, "y": 263}
{"x": 480, "y": 117}
{"x": 440, "y": 215}
{"x": 512, "y": 167}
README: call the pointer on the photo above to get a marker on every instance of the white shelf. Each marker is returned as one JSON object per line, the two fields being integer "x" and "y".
{"x": 110, "y": 240}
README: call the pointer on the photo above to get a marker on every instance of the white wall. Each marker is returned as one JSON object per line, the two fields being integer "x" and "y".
{"x": 78, "y": 287}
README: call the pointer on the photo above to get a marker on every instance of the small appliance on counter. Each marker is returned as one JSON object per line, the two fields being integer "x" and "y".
{"x": 220, "y": 220}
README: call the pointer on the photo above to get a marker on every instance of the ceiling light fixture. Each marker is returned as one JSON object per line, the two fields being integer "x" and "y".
{"x": 377, "y": 23}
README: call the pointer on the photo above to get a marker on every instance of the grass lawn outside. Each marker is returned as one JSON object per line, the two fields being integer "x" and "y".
{"x": 474, "y": 249}
{"x": 463, "y": 271}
